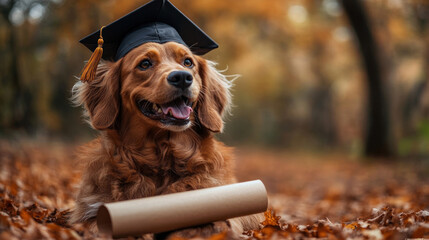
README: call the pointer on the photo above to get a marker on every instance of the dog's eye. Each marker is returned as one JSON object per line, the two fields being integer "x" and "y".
{"x": 145, "y": 64}
{"x": 188, "y": 63}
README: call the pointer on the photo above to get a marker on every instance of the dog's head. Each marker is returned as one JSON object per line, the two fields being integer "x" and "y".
{"x": 156, "y": 85}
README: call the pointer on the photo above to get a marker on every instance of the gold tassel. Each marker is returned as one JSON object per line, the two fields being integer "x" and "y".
{"x": 88, "y": 72}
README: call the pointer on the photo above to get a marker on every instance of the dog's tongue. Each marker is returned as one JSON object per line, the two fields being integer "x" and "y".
{"x": 178, "y": 108}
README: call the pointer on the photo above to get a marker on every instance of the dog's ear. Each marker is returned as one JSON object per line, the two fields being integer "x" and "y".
{"x": 214, "y": 98}
{"x": 101, "y": 97}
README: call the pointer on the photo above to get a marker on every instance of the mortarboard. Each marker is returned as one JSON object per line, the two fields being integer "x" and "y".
{"x": 157, "y": 21}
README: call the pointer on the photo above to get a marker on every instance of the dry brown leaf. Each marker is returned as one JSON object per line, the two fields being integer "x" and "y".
{"x": 7, "y": 206}
{"x": 32, "y": 203}
{"x": 271, "y": 219}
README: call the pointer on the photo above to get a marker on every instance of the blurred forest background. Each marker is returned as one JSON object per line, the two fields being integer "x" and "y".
{"x": 304, "y": 85}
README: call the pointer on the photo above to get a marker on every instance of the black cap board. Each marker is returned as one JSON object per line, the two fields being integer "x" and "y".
{"x": 157, "y": 21}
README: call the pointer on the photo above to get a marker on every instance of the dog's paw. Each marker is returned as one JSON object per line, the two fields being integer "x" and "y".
{"x": 202, "y": 231}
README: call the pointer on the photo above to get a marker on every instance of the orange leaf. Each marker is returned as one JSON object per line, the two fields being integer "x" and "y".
{"x": 353, "y": 226}
{"x": 271, "y": 219}
{"x": 26, "y": 216}
{"x": 219, "y": 236}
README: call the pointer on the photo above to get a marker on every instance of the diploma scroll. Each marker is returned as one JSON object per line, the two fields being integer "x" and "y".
{"x": 179, "y": 210}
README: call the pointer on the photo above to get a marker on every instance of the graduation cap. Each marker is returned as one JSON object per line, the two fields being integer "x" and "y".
{"x": 158, "y": 21}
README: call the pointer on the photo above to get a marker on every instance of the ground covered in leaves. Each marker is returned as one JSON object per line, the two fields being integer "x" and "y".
{"x": 330, "y": 196}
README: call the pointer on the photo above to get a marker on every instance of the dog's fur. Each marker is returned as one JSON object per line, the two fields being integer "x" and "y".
{"x": 136, "y": 156}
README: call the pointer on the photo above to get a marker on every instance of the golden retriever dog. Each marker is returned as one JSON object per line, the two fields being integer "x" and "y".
{"x": 157, "y": 110}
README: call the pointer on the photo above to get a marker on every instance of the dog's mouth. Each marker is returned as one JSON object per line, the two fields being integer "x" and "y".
{"x": 176, "y": 112}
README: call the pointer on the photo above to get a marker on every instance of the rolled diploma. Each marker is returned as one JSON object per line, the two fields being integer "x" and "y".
{"x": 179, "y": 210}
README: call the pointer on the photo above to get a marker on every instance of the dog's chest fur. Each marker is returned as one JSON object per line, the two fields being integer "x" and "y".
{"x": 160, "y": 166}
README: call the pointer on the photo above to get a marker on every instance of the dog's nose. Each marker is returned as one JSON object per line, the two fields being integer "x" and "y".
{"x": 180, "y": 79}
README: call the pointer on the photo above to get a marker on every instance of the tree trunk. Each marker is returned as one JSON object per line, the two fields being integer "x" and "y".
{"x": 377, "y": 139}
{"x": 12, "y": 77}
{"x": 18, "y": 108}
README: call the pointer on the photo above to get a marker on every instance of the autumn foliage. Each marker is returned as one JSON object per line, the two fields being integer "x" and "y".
{"x": 303, "y": 83}
{"x": 337, "y": 198}
{"x": 382, "y": 224}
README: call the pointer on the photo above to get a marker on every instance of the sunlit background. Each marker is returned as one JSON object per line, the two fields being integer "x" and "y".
{"x": 303, "y": 83}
